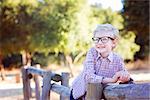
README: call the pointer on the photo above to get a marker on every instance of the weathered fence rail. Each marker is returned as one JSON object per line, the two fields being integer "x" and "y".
{"x": 33, "y": 72}
{"x": 62, "y": 90}
{"x": 111, "y": 92}
{"x": 128, "y": 92}
{"x": 119, "y": 92}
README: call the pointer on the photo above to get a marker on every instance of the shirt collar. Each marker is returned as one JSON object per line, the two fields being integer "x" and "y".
{"x": 110, "y": 57}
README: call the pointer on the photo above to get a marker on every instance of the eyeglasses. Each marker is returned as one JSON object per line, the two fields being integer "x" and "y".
{"x": 102, "y": 39}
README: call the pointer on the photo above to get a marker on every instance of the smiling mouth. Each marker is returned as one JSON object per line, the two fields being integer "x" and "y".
{"x": 100, "y": 46}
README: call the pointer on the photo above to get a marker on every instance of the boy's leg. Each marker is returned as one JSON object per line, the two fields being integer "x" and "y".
{"x": 81, "y": 98}
{"x": 103, "y": 96}
{"x": 71, "y": 96}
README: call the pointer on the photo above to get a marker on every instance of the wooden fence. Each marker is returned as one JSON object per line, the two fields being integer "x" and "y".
{"x": 119, "y": 92}
{"x": 111, "y": 92}
{"x": 48, "y": 76}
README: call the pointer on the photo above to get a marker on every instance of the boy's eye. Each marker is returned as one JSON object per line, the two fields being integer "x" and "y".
{"x": 105, "y": 39}
{"x": 96, "y": 40}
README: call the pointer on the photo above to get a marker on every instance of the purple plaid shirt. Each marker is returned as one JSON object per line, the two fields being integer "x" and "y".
{"x": 96, "y": 67}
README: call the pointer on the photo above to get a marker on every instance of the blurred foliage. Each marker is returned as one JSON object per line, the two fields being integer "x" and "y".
{"x": 13, "y": 60}
{"x": 101, "y": 16}
{"x": 16, "y": 25}
{"x": 60, "y": 27}
{"x": 127, "y": 47}
{"x": 56, "y": 19}
{"x": 42, "y": 59}
{"x": 136, "y": 15}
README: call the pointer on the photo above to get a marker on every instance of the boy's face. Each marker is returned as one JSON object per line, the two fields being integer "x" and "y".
{"x": 103, "y": 42}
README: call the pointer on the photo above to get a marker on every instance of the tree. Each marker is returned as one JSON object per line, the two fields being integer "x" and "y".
{"x": 127, "y": 46}
{"x": 26, "y": 24}
{"x": 136, "y": 15}
{"x": 60, "y": 26}
{"x": 37, "y": 26}
{"x": 15, "y": 17}
{"x": 16, "y": 25}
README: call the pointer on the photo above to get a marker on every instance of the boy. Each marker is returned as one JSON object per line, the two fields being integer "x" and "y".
{"x": 101, "y": 64}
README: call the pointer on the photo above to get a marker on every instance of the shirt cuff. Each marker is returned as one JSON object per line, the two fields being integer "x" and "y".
{"x": 98, "y": 78}
{"x": 102, "y": 80}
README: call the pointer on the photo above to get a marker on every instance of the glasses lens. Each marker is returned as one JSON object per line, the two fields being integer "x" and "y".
{"x": 96, "y": 40}
{"x": 104, "y": 39}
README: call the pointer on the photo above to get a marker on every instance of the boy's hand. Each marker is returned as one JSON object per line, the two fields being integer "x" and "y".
{"x": 109, "y": 80}
{"x": 123, "y": 76}
{"x": 116, "y": 77}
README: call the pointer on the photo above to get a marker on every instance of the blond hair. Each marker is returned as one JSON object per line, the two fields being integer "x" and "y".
{"x": 108, "y": 28}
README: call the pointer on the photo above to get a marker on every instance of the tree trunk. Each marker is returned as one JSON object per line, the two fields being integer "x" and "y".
{"x": 70, "y": 64}
{"x": 26, "y": 61}
{"x": 26, "y": 58}
{"x": 2, "y": 71}
{"x": 2, "y": 68}
{"x": 78, "y": 57}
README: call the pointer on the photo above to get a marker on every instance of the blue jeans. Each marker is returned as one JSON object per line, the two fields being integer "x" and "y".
{"x": 71, "y": 97}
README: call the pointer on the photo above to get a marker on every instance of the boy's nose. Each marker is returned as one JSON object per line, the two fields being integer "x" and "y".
{"x": 99, "y": 45}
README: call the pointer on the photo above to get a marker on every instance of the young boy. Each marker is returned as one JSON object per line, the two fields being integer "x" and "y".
{"x": 101, "y": 64}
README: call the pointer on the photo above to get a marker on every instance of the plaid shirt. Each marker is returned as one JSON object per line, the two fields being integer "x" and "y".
{"x": 96, "y": 67}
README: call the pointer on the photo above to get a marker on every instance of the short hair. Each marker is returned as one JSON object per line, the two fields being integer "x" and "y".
{"x": 110, "y": 29}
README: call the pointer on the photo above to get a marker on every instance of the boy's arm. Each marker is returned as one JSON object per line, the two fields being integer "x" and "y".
{"x": 89, "y": 70}
{"x": 123, "y": 74}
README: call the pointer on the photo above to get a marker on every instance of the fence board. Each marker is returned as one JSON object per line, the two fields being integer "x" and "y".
{"x": 46, "y": 86}
{"x": 128, "y": 92}
{"x": 64, "y": 82}
{"x": 26, "y": 84}
{"x": 62, "y": 90}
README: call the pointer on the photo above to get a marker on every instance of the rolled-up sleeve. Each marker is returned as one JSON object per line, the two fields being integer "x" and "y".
{"x": 89, "y": 70}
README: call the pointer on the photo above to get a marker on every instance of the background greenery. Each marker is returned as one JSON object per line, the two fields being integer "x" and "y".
{"x": 60, "y": 31}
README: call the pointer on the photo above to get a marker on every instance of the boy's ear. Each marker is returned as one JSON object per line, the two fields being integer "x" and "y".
{"x": 114, "y": 43}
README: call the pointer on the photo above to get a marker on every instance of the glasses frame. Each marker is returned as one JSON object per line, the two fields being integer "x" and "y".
{"x": 97, "y": 39}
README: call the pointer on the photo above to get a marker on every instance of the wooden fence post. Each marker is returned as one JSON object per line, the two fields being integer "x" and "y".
{"x": 64, "y": 82}
{"x": 94, "y": 91}
{"x": 37, "y": 84}
{"x": 26, "y": 84}
{"x": 46, "y": 86}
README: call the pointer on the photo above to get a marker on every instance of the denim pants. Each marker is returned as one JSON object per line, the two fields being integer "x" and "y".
{"x": 71, "y": 96}
{"x": 81, "y": 98}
